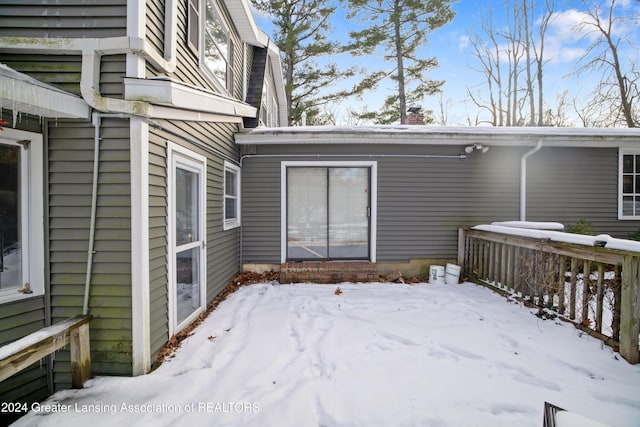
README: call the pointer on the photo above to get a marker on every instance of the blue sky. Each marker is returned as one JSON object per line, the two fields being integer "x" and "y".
{"x": 450, "y": 44}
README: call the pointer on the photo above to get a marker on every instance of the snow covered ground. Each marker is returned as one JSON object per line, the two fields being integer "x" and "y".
{"x": 373, "y": 355}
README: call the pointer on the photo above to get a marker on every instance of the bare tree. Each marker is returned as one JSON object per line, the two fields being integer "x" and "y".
{"x": 511, "y": 58}
{"x": 443, "y": 110}
{"x": 558, "y": 116}
{"x": 617, "y": 91}
{"x": 488, "y": 51}
{"x": 538, "y": 50}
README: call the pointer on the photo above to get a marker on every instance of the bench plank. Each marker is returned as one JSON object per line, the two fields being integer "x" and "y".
{"x": 22, "y": 353}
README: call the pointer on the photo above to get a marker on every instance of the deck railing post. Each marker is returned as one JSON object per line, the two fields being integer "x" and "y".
{"x": 80, "y": 355}
{"x": 461, "y": 247}
{"x": 630, "y": 309}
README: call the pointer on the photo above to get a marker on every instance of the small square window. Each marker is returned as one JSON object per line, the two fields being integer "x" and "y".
{"x": 231, "y": 196}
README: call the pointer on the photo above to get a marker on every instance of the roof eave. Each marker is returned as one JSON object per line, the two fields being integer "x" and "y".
{"x": 20, "y": 93}
{"x": 428, "y": 135}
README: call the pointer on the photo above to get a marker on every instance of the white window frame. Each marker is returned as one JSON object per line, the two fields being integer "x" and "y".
{"x": 230, "y": 223}
{"x": 181, "y": 156}
{"x": 372, "y": 165}
{"x": 32, "y": 212}
{"x": 193, "y": 20}
{"x": 226, "y": 85}
{"x": 621, "y": 153}
{"x": 264, "y": 104}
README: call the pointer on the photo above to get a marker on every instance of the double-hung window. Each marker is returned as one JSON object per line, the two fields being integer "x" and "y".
{"x": 629, "y": 187}
{"x": 231, "y": 196}
{"x": 209, "y": 38}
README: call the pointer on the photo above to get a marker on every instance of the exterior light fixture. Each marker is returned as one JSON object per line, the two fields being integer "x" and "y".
{"x": 471, "y": 148}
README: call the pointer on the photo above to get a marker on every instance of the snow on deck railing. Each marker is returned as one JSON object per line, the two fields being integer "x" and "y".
{"x": 27, "y": 350}
{"x": 590, "y": 280}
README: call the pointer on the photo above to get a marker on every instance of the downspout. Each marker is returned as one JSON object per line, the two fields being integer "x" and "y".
{"x": 523, "y": 179}
{"x": 92, "y": 50}
{"x": 96, "y": 121}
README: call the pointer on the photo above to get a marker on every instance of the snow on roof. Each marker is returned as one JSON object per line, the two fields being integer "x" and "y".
{"x": 557, "y": 236}
{"x": 22, "y": 93}
{"x": 443, "y": 135}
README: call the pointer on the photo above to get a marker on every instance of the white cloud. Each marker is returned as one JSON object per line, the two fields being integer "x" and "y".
{"x": 463, "y": 43}
{"x": 565, "y": 41}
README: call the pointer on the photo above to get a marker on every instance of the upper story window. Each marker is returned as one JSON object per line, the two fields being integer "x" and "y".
{"x": 268, "y": 107}
{"x": 209, "y": 38}
{"x": 629, "y": 189}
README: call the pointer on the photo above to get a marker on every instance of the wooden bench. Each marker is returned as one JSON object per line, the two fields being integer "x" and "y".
{"x": 20, "y": 354}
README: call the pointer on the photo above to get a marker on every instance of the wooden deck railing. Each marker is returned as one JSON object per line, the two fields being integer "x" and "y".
{"x": 596, "y": 288}
{"x": 19, "y": 354}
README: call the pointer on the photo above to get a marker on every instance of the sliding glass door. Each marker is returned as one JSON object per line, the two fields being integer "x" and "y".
{"x": 328, "y": 210}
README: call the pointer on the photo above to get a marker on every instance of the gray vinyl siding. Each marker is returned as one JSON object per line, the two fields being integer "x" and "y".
{"x": 155, "y": 24}
{"x": 422, "y": 201}
{"x": 61, "y": 71}
{"x": 158, "y": 285}
{"x": 261, "y": 210}
{"x": 70, "y": 18}
{"x": 222, "y": 246}
{"x": 18, "y": 319}
{"x": 567, "y": 185}
{"x": 70, "y": 176}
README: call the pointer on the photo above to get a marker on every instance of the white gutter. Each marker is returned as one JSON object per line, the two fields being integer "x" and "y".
{"x": 523, "y": 179}
{"x": 92, "y": 50}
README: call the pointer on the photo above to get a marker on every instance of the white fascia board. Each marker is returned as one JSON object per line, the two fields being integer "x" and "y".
{"x": 240, "y": 12}
{"x": 39, "y": 99}
{"x": 431, "y": 135}
{"x": 193, "y": 101}
{"x": 278, "y": 77}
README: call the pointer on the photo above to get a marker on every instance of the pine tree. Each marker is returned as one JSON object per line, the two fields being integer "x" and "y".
{"x": 397, "y": 29}
{"x": 301, "y": 34}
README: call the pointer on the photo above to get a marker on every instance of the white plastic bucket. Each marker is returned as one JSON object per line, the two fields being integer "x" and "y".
{"x": 436, "y": 274}
{"x": 452, "y": 274}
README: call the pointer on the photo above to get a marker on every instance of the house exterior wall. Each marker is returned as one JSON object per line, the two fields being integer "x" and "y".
{"x": 423, "y": 201}
{"x": 20, "y": 318}
{"x": 69, "y": 19}
{"x": 70, "y": 176}
{"x": 69, "y": 153}
{"x": 209, "y": 140}
{"x": 573, "y": 184}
